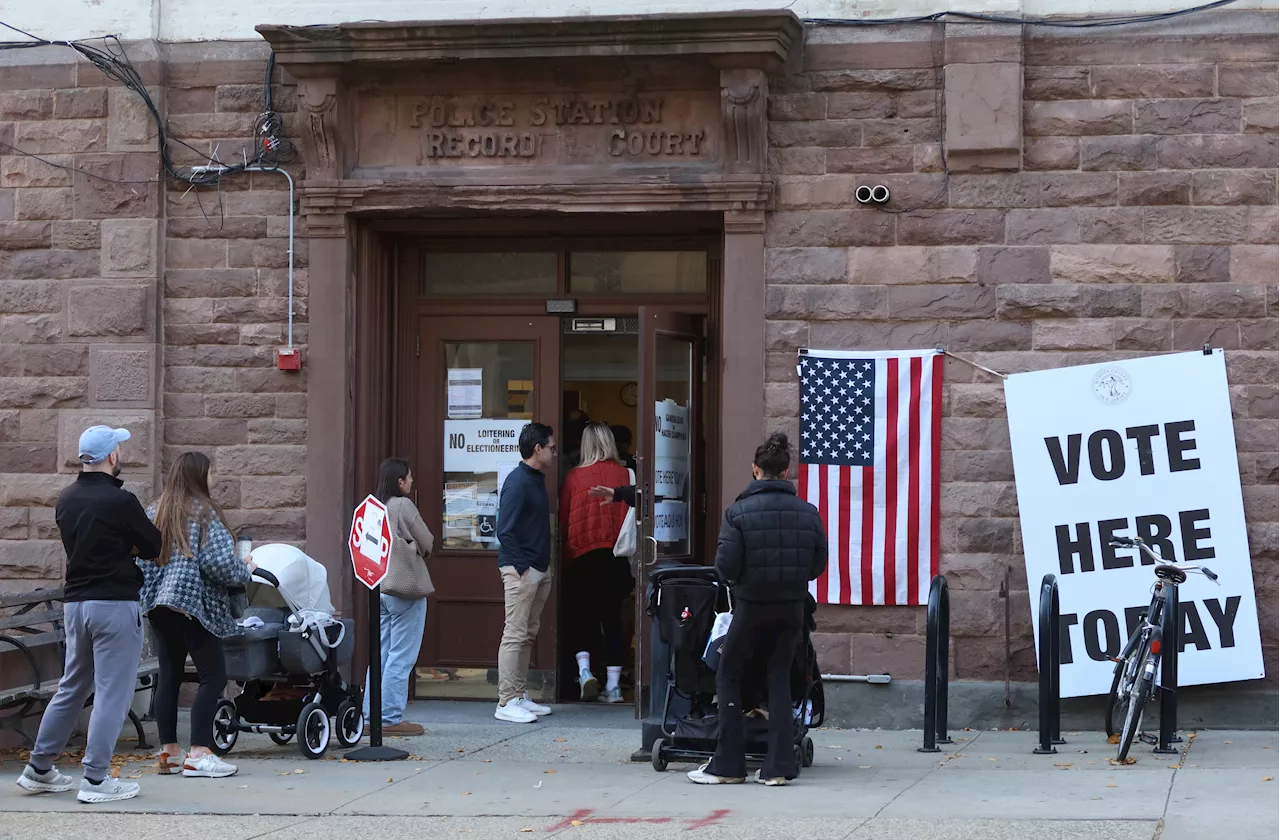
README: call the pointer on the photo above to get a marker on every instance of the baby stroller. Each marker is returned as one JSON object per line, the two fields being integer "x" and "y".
{"x": 287, "y": 661}
{"x": 684, "y": 601}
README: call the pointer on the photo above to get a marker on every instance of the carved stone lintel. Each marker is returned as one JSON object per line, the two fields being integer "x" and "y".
{"x": 321, "y": 127}
{"x": 744, "y": 96}
{"x": 744, "y": 222}
{"x": 327, "y": 203}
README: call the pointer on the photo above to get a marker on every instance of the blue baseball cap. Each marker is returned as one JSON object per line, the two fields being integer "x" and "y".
{"x": 97, "y": 442}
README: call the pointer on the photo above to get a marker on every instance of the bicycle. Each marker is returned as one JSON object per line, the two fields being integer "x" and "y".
{"x": 1138, "y": 664}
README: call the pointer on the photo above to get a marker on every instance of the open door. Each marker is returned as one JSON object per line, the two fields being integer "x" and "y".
{"x": 669, "y": 499}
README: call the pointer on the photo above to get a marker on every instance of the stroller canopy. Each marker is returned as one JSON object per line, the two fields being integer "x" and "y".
{"x": 303, "y": 580}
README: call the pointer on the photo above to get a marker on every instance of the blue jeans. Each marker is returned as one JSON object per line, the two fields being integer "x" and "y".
{"x": 403, "y": 621}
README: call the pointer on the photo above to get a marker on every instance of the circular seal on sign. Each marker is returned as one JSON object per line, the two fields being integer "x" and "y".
{"x": 1111, "y": 385}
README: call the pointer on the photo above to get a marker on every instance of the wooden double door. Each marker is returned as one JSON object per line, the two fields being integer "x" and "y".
{"x": 479, "y": 381}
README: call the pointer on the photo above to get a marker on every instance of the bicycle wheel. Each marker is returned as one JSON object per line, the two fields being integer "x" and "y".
{"x": 1112, "y": 703}
{"x": 1134, "y": 701}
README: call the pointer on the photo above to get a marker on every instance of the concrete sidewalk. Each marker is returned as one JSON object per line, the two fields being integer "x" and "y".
{"x": 570, "y": 774}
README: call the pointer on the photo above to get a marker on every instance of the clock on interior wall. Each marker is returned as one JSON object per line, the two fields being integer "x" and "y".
{"x": 630, "y": 395}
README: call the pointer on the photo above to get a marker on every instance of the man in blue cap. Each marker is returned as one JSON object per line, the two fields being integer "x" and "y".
{"x": 103, "y": 529}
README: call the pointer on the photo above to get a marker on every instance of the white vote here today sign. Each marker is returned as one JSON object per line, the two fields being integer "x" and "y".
{"x": 1135, "y": 448}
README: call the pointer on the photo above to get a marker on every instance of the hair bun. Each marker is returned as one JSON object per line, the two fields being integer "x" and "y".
{"x": 777, "y": 442}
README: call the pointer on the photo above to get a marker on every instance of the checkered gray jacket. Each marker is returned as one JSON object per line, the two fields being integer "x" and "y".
{"x": 197, "y": 585}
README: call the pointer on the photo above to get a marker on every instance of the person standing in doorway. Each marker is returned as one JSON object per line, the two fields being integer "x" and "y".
{"x": 595, "y": 581}
{"x": 622, "y": 438}
{"x": 103, "y": 527}
{"x": 524, "y": 561}
{"x": 772, "y": 543}
{"x": 403, "y": 597}
{"x": 185, "y": 596}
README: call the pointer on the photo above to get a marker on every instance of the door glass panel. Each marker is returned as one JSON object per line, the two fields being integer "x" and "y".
{"x": 469, "y": 275}
{"x": 673, "y": 390}
{"x": 488, "y": 398}
{"x": 638, "y": 272}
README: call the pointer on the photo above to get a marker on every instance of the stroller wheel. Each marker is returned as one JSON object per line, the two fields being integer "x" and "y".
{"x": 806, "y": 752}
{"x": 313, "y": 730}
{"x": 350, "y": 724}
{"x": 225, "y": 730}
{"x": 658, "y": 759}
{"x": 280, "y": 738}
{"x": 798, "y": 752}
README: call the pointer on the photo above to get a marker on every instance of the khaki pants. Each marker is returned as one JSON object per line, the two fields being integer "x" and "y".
{"x": 525, "y": 596}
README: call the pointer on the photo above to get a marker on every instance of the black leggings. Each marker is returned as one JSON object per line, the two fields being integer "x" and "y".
{"x": 177, "y": 635}
{"x": 595, "y": 585}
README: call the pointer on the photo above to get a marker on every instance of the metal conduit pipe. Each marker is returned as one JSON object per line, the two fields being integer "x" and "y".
{"x": 874, "y": 679}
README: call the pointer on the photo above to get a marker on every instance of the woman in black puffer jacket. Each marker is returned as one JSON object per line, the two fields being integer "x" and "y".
{"x": 771, "y": 545}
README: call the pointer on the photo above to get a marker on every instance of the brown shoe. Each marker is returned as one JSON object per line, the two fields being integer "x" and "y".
{"x": 404, "y": 727}
{"x": 165, "y": 766}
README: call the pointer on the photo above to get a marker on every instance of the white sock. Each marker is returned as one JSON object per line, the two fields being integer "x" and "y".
{"x": 584, "y": 661}
{"x": 615, "y": 674}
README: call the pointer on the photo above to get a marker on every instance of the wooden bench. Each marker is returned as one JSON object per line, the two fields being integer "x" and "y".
{"x": 31, "y": 623}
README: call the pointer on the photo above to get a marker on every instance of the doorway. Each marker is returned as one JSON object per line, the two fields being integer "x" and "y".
{"x": 483, "y": 357}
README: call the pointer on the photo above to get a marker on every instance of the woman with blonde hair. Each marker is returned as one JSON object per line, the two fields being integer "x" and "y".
{"x": 595, "y": 581}
{"x": 185, "y": 596}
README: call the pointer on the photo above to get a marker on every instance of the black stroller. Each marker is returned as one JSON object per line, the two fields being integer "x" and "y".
{"x": 684, "y": 601}
{"x": 288, "y": 666}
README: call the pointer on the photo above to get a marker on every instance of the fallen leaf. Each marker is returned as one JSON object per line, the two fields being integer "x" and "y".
{"x": 1068, "y": 764}
{"x": 548, "y": 771}
{"x": 486, "y": 761}
{"x": 1113, "y": 739}
{"x": 284, "y": 773}
{"x": 991, "y": 759}
{"x": 299, "y": 772}
{"x": 390, "y": 780}
{"x": 526, "y": 831}
{"x": 879, "y": 747}
{"x": 1175, "y": 766}
{"x": 1268, "y": 778}
{"x": 134, "y": 776}
{"x": 1112, "y": 786}
{"x": 1128, "y": 760}
{"x": 1228, "y": 742}
{"x": 1095, "y": 797}
{"x": 558, "y": 741}
{"x": 244, "y": 787}
{"x": 576, "y": 822}
{"x": 466, "y": 793}
{"x": 834, "y": 747}
{"x": 461, "y": 750}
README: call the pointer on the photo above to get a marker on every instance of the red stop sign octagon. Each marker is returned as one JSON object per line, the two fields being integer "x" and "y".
{"x": 370, "y": 541}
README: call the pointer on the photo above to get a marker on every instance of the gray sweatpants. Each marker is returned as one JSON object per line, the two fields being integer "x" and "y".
{"x": 104, "y": 645}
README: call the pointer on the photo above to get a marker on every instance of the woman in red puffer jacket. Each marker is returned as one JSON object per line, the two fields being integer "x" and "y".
{"x": 595, "y": 582}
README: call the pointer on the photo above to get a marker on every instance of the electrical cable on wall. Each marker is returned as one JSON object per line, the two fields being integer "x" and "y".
{"x": 270, "y": 151}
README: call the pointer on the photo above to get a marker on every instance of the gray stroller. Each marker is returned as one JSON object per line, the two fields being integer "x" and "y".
{"x": 287, "y": 661}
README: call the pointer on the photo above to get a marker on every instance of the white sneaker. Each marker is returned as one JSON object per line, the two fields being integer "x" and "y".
{"x": 513, "y": 712}
{"x": 50, "y": 781}
{"x": 702, "y": 777}
{"x": 526, "y": 702}
{"x": 611, "y": 695}
{"x": 772, "y": 781}
{"x": 208, "y": 766}
{"x": 588, "y": 685}
{"x": 108, "y": 790}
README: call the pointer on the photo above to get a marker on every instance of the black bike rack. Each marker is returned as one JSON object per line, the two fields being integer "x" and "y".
{"x": 936, "y": 666}
{"x": 1171, "y": 641}
{"x": 1050, "y": 668}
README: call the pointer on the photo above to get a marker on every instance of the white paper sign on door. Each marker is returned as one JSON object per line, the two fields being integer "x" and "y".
{"x": 669, "y": 475}
{"x": 466, "y": 396}
{"x": 671, "y": 430}
{"x": 1137, "y": 448}
{"x": 481, "y": 446}
{"x": 670, "y": 522}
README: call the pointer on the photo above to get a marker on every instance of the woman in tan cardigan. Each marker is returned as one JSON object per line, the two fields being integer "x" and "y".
{"x": 404, "y": 595}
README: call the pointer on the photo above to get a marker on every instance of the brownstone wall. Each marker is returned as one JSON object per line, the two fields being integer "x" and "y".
{"x": 1142, "y": 220}
{"x": 125, "y": 303}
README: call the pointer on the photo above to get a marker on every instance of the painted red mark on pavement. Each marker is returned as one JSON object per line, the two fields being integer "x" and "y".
{"x": 582, "y": 816}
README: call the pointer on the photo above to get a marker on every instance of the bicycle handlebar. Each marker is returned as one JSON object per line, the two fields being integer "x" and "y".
{"x": 1131, "y": 542}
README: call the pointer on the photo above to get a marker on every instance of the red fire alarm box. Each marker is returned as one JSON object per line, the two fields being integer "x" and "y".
{"x": 288, "y": 359}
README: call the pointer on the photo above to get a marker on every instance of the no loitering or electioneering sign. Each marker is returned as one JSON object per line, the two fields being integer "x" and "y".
{"x": 1137, "y": 448}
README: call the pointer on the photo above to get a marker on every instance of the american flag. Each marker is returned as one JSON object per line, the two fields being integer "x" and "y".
{"x": 870, "y": 441}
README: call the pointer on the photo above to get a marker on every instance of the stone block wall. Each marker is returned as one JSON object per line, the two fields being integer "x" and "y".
{"x": 126, "y": 298}
{"x": 1141, "y": 218}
